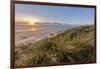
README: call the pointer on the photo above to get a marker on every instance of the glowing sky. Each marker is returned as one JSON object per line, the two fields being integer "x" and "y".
{"x": 43, "y": 13}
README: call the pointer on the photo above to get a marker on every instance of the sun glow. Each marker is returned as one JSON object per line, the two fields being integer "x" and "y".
{"x": 31, "y": 22}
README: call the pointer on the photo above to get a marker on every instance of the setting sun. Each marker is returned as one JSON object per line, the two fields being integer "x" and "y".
{"x": 31, "y": 22}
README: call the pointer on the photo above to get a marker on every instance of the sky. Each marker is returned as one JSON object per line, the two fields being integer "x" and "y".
{"x": 52, "y": 14}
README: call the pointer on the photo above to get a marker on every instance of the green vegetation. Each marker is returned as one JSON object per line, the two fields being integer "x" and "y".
{"x": 71, "y": 46}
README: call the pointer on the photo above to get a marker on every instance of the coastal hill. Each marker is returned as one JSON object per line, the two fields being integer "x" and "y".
{"x": 75, "y": 45}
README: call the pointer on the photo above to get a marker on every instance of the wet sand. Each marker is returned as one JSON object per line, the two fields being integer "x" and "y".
{"x": 28, "y": 33}
{"x": 31, "y": 36}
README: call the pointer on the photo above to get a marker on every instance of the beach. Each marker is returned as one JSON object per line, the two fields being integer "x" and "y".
{"x": 28, "y": 33}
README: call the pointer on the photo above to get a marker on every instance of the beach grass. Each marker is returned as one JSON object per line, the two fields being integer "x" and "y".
{"x": 71, "y": 46}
